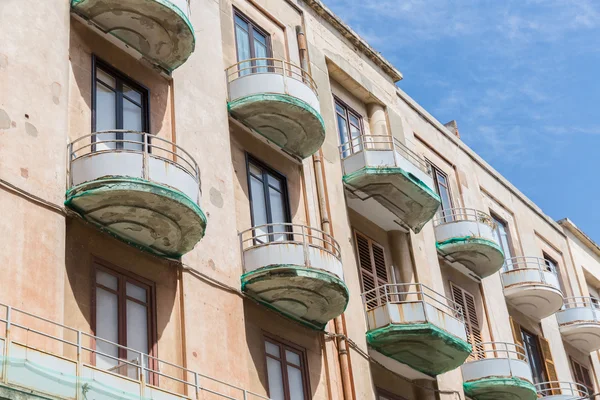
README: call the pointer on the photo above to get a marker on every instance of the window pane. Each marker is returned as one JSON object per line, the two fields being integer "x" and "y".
{"x": 277, "y": 214}
{"x": 295, "y": 383}
{"x": 259, "y": 208}
{"x": 260, "y": 51}
{"x": 137, "y": 334}
{"x": 343, "y": 132}
{"x": 132, "y": 120}
{"x": 272, "y": 349}
{"x": 106, "y": 279}
{"x": 292, "y": 358}
{"x": 275, "y": 182}
{"x": 107, "y": 327}
{"x": 275, "y": 379}
{"x": 255, "y": 171}
{"x": 106, "y": 78}
{"x": 106, "y": 118}
{"x": 132, "y": 94}
{"x": 243, "y": 45}
{"x": 356, "y": 143}
{"x": 138, "y": 293}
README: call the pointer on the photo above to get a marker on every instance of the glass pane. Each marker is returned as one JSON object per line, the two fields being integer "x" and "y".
{"x": 137, "y": 334}
{"x": 277, "y": 214}
{"x": 261, "y": 52}
{"x": 106, "y": 279}
{"x": 138, "y": 293}
{"x": 356, "y": 143}
{"x": 106, "y": 78}
{"x": 259, "y": 208}
{"x": 343, "y": 132}
{"x": 260, "y": 38}
{"x": 243, "y": 47}
{"x": 255, "y": 171}
{"x": 132, "y": 120}
{"x": 340, "y": 109}
{"x": 441, "y": 179}
{"x": 295, "y": 383}
{"x": 292, "y": 358}
{"x": 354, "y": 120}
{"x": 272, "y": 349}
{"x": 275, "y": 182}
{"x": 275, "y": 379}
{"x": 106, "y": 118}
{"x": 107, "y": 327}
{"x": 132, "y": 94}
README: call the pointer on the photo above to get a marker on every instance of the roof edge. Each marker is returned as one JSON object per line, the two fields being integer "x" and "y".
{"x": 355, "y": 39}
{"x": 579, "y": 234}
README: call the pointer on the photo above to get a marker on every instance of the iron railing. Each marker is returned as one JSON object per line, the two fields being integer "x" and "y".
{"x": 507, "y": 350}
{"x": 554, "y": 388}
{"x": 48, "y": 337}
{"x": 536, "y": 264}
{"x": 405, "y": 293}
{"x": 361, "y": 143}
{"x": 286, "y": 233}
{"x": 463, "y": 214}
{"x": 126, "y": 141}
{"x": 254, "y": 66}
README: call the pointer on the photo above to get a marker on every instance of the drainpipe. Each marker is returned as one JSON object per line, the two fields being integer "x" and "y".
{"x": 339, "y": 326}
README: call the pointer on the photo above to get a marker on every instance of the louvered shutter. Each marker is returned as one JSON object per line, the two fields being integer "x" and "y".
{"x": 467, "y": 301}
{"x": 582, "y": 375}
{"x": 373, "y": 270}
{"x": 549, "y": 364}
{"x": 517, "y": 336}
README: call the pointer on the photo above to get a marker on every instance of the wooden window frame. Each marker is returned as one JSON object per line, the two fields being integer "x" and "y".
{"x": 252, "y": 27}
{"x": 123, "y": 276}
{"x": 348, "y": 111}
{"x": 540, "y": 353}
{"x": 584, "y": 370}
{"x": 120, "y": 79}
{"x": 283, "y": 346}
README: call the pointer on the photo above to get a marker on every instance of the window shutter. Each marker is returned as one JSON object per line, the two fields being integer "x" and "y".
{"x": 517, "y": 336}
{"x": 373, "y": 269}
{"x": 549, "y": 364}
{"x": 467, "y": 302}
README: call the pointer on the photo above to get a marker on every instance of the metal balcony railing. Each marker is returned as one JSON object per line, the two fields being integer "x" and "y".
{"x": 505, "y": 350}
{"x": 537, "y": 264}
{"x": 254, "y": 66}
{"x": 55, "y": 342}
{"x": 581, "y": 302}
{"x": 405, "y": 293}
{"x": 361, "y": 143}
{"x": 126, "y": 141}
{"x": 463, "y": 214}
{"x": 556, "y": 388}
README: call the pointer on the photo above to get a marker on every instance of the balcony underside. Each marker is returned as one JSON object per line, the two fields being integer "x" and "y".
{"x": 311, "y": 296}
{"x": 536, "y": 300}
{"x": 149, "y": 216}
{"x": 424, "y": 347}
{"x": 400, "y": 192}
{"x": 584, "y": 335}
{"x": 500, "y": 389}
{"x": 159, "y": 29}
{"x": 287, "y": 121}
{"x": 481, "y": 256}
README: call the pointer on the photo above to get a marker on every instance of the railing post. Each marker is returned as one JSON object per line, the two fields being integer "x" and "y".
{"x": 146, "y": 158}
{"x": 245, "y": 394}
{"x": 78, "y": 367}
{"x": 142, "y": 375}
{"x": 304, "y": 246}
{"x": 197, "y": 385}
{"x": 6, "y": 345}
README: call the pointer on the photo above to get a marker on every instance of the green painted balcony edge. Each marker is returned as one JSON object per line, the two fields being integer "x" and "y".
{"x": 500, "y": 389}
{"x": 429, "y": 333}
{"x": 168, "y": 20}
{"x": 287, "y": 113}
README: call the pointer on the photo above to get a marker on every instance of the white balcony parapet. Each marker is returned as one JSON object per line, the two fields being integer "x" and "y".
{"x": 562, "y": 391}
{"x": 579, "y": 322}
{"x": 53, "y": 360}
{"x": 277, "y": 99}
{"x": 467, "y": 235}
{"x": 498, "y": 370}
{"x": 387, "y": 182}
{"x": 140, "y": 187}
{"x": 532, "y": 286}
{"x": 295, "y": 269}
{"x": 416, "y": 326}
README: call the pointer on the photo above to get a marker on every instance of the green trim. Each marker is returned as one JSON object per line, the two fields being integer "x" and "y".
{"x": 132, "y": 184}
{"x": 486, "y": 387}
{"x": 391, "y": 171}
{"x": 421, "y": 330}
{"x": 469, "y": 240}
{"x": 171, "y": 6}
{"x": 300, "y": 271}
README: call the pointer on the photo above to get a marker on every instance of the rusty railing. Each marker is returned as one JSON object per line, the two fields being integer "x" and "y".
{"x": 554, "y": 388}
{"x": 528, "y": 264}
{"x": 463, "y": 214}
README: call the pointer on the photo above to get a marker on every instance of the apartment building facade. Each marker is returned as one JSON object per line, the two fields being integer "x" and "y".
{"x": 233, "y": 200}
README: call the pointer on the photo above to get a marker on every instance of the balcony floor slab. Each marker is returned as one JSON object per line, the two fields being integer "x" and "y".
{"x": 500, "y": 389}
{"x": 481, "y": 256}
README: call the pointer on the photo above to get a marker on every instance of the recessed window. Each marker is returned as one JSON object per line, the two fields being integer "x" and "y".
{"x": 252, "y": 43}
{"x": 502, "y": 236}
{"x": 118, "y": 104}
{"x": 551, "y": 264}
{"x": 286, "y": 371}
{"x": 350, "y": 128}
{"x": 372, "y": 266}
{"x": 442, "y": 187}
{"x": 582, "y": 375}
{"x": 534, "y": 356}
{"x": 466, "y": 301}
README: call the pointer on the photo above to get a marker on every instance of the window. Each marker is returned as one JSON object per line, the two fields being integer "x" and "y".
{"x": 383, "y": 395}
{"x": 467, "y": 302}
{"x": 534, "y": 356}
{"x": 118, "y": 103}
{"x": 123, "y": 315}
{"x": 350, "y": 128}
{"x": 502, "y": 237}
{"x": 252, "y": 43}
{"x": 286, "y": 372}
{"x": 551, "y": 265}
{"x": 373, "y": 269}
{"x": 268, "y": 202}
{"x": 442, "y": 188}
{"x": 582, "y": 375}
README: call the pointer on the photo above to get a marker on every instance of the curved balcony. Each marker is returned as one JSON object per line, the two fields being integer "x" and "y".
{"x": 296, "y": 270}
{"x": 141, "y": 188}
{"x": 499, "y": 371}
{"x": 416, "y": 326}
{"x": 562, "y": 391}
{"x": 387, "y": 182}
{"x": 160, "y": 30}
{"x": 531, "y": 286}
{"x": 579, "y": 323}
{"x": 467, "y": 235}
{"x": 278, "y": 100}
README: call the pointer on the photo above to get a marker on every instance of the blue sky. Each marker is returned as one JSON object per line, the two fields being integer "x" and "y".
{"x": 521, "y": 77}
